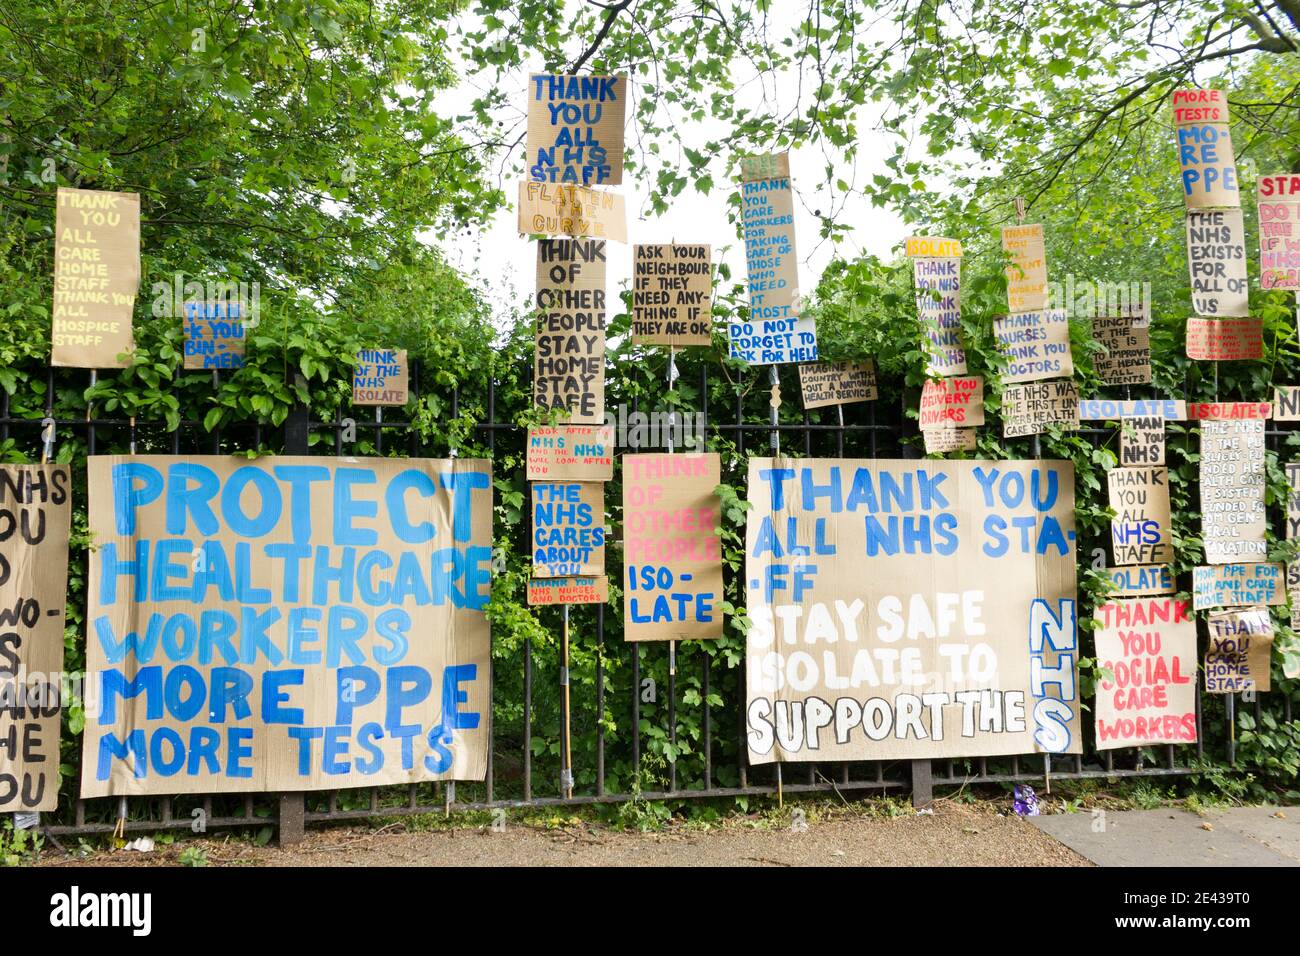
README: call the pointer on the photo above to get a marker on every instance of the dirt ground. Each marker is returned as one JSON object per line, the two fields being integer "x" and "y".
{"x": 955, "y": 835}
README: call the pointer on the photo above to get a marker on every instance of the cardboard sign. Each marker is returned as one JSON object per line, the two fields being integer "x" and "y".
{"x": 96, "y": 277}
{"x": 569, "y": 335}
{"x": 672, "y": 295}
{"x": 1109, "y": 409}
{"x": 1225, "y": 340}
{"x": 764, "y": 166}
{"x": 1237, "y": 585}
{"x": 1142, "y": 580}
{"x": 1036, "y": 345}
{"x": 938, "y": 303}
{"x": 214, "y": 335}
{"x": 932, "y": 247}
{"x": 1240, "y": 652}
{"x": 1030, "y": 408}
{"x": 955, "y": 402}
{"x": 672, "y": 553}
{"x": 946, "y": 438}
{"x": 1142, "y": 442}
{"x": 1027, "y": 271}
{"x": 1200, "y": 106}
{"x": 1125, "y": 358}
{"x": 381, "y": 377}
{"x": 1216, "y": 260}
{"x": 837, "y": 383}
{"x": 1286, "y": 403}
{"x": 910, "y": 609}
{"x": 554, "y": 209}
{"x": 568, "y": 530}
{"x": 774, "y": 334}
{"x": 570, "y": 453}
{"x": 35, "y": 515}
{"x": 1232, "y": 491}
{"x": 1149, "y": 645}
{"x": 575, "y": 128}
{"x": 1279, "y": 232}
{"x": 1140, "y": 532}
{"x": 1209, "y": 167}
{"x": 286, "y": 623}
{"x": 1228, "y": 411}
{"x": 547, "y": 591}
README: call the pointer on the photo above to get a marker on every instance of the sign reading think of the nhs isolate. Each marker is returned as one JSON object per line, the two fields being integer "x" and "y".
{"x": 286, "y": 623}
{"x": 907, "y": 609}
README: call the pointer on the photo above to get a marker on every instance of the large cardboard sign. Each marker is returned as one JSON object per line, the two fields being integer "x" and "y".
{"x": 672, "y": 295}
{"x": 214, "y": 335}
{"x": 569, "y": 335}
{"x": 1232, "y": 491}
{"x": 1225, "y": 340}
{"x": 837, "y": 383}
{"x": 1108, "y": 409}
{"x": 1026, "y": 274}
{"x": 952, "y": 402}
{"x": 1125, "y": 358}
{"x": 575, "y": 128}
{"x": 568, "y": 529}
{"x": 1200, "y": 106}
{"x": 1226, "y": 411}
{"x": 1209, "y": 168}
{"x": 1216, "y": 260}
{"x": 910, "y": 609}
{"x": 286, "y": 623}
{"x": 938, "y": 303}
{"x": 1240, "y": 652}
{"x": 555, "y": 209}
{"x": 381, "y": 377}
{"x": 1142, "y": 442}
{"x": 1030, "y": 408}
{"x": 1036, "y": 345}
{"x": 1279, "y": 232}
{"x": 96, "y": 277}
{"x": 672, "y": 554}
{"x": 1140, "y": 532}
{"x": 1238, "y": 585}
{"x": 1141, "y": 580}
{"x": 35, "y": 515}
{"x": 1149, "y": 646}
{"x": 570, "y": 453}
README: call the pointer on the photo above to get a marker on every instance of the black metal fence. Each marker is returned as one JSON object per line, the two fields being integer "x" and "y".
{"x": 869, "y": 430}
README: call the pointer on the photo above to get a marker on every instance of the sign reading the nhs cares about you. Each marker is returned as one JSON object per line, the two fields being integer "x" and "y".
{"x": 286, "y": 623}
{"x": 906, "y": 609}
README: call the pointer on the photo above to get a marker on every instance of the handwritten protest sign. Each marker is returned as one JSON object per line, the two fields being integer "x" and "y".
{"x": 1237, "y": 585}
{"x": 35, "y": 515}
{"x": 1216, "y": 259}
{"x": 946, "y": 438}
{"x": 952, "y": 402}
{"x": 568, "y": 530}
{"x": 570, "y": 453}
{"x": 214, "y": 335}
{"x": 1286, "y": 403}
{"x": 1125, "y": 358}
{"x": 554, "y": 209}
{"x": 1140, "y": 532}
{"x": 672, "y": 295}
{"x": 910, "y": 609}
{"x": 1141, "y": 580}
{"x": 938, "y": 303}
{"x": 672, "y": 554}
{"x": 1240, "y": 652}
{"x": 1109, "y": 409}
{"x": 1232, "y": 491}
{"x": 1149, "y": 645}
{"x": 1279, "y": 232}
{"x": 1142, "y": 442}
{"x": 286, "y": 623}
{"x": 1293, "y": 500}
{"x": 932, "y": 247}
{"x": 1225, "y": 340}
{"x": 381, "y": 377}
{"x": 1027, "y": 271}
{"x": 764, "y": 166}
{"x": 575, "y": 128}
{"x": 1209, "y": 167}
{"x": 96, "y": 277}
{"x": 1227, "y": 411}
{"x": 569, "y": 338}
{"x": 1036, "y": 345}
{"x": 546, "y": 591}
{"x": 1030, "y": 408}
{"x": 837, "y": 383}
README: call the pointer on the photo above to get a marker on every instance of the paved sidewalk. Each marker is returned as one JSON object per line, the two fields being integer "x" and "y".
{"x": 1243, "y": 836}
